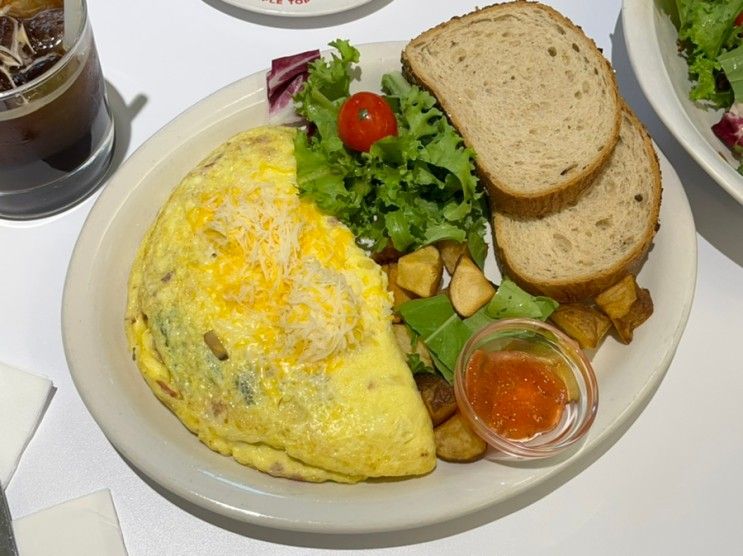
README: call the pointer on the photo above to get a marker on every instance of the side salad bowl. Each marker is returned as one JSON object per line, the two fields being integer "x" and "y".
{"x": 662, "y": 73}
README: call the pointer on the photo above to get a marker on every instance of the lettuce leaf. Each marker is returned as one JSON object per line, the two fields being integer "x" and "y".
{"x": 732, "y": 63}
{"x": 707, "y": 24}
{"x": 440, "y": 328}
{"x": 705, "y": 72}
{"x": 706, "y": 31}
{"x": 510, "y": 301}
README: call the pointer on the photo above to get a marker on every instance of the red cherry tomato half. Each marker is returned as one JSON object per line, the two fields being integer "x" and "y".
{"x": 364, "y": 119}
{"x": 739, "y": 20}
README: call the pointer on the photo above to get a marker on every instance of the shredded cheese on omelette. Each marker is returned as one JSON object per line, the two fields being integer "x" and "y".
{"x": 262, "y": 237}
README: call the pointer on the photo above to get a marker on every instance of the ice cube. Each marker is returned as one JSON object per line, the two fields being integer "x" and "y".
{"x": 45, "y": 30}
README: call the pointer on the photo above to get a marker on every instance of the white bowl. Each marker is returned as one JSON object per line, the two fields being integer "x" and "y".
{"x": 663, "y": 76}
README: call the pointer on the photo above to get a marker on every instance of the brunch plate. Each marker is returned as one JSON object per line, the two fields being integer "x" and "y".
{"x": 662, "y": 73}
{"x": 297, "y": 8}
{"x": 153, "y": 439}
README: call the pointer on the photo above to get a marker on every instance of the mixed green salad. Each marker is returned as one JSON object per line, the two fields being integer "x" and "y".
{"x": 412, "y": 187}
{"x": 710, "y": 36}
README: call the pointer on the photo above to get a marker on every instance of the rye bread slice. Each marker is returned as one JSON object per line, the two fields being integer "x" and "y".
{"x": 574, "y": 254}
{"x": 530, "y": 93}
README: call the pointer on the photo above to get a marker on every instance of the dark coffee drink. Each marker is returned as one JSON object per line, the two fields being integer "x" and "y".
{"x": 55, "y": 125}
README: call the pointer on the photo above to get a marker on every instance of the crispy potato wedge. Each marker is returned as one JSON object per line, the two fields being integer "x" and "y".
{"x": 450, "y": 252}
{"x": 583, "y": 323}
{"x": 617, "y": 300}
{"x": 640, "y": 311}
{"x": 399, "y": 295}
{"x": 627, "y": 305}
{"x": 420, "y": 271}
{"x": 405, "y": 341}
{"x": 437, "y": 395}
{"x": 469, "y": 289}
{"x": 457, "y": 442}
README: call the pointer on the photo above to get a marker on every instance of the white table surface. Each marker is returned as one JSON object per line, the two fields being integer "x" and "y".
{"x": 672, "y": 484}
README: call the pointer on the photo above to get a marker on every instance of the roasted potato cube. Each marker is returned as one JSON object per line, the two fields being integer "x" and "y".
{"x": 420, "y": 271}
{"x": 640, "y": 311}
{"x": 469, "y": 289}
{"x": 617, "y": 300}
{"x": 399, "y": 295}
{"x": 405, "y": 341}
{"x": 457, "y": 442}
{"x": 437, "y": 395}
{"x": 583, "y": 323}
{"x": 450, "y": 252}
{"x": 627, "y": 305}
{"x": 387, "y": 255}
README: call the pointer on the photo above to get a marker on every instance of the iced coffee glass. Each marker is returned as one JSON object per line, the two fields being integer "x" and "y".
{"x": 56, "y": 130}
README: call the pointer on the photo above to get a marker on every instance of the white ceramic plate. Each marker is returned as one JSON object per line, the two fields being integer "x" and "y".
{"x": 149, "y": 436}
{"x": 662, "y": 73}
{"x": 297, "y": 8}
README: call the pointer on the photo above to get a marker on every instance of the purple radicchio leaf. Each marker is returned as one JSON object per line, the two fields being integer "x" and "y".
{"x": 730, "y": 128}
{"x": 284, "y": 80}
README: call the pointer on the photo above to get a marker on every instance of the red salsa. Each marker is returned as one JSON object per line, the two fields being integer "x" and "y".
{"x": 516, "y": 393}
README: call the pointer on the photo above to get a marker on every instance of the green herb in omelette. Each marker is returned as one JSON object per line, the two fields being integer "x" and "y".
{"x": 411, "y": 189}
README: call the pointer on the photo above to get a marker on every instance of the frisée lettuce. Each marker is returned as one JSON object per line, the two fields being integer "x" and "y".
{"x": 708, "y": 31}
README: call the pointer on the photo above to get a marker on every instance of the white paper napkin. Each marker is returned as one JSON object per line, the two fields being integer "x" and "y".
{"x": 86, "y": 526}
{"x": 23, "y": 399}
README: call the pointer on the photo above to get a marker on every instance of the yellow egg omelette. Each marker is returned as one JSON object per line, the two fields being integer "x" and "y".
{"x": 266, "y": 330}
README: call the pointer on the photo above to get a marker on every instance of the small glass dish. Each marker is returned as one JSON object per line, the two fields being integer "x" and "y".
{"x": 536, "y": 340}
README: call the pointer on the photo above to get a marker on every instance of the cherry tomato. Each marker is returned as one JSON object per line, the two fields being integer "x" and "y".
{"x": 739, "y": 20}
{"x": 364, "y": 119}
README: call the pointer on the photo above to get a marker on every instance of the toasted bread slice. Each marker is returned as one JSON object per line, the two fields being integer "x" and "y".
{"x": 578, "y": 252}
{"x": 530, "y": 93}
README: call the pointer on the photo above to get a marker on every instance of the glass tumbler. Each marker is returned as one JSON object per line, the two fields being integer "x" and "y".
{"x": 56, "y": 129}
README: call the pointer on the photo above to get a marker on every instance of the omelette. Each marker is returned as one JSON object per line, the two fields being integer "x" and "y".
{"x": 267, "y": 331}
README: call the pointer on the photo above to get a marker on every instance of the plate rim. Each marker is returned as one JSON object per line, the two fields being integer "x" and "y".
{"x": 640, "y": 37}
{"x": 95, "y": 228}
{"x": 279, "y": 12}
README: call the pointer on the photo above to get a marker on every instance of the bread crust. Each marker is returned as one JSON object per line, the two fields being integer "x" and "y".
{"x": 502, "y": 197}
{"x": 583, "y": 289}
